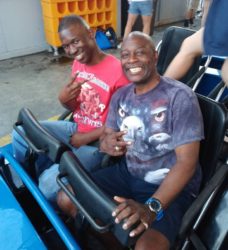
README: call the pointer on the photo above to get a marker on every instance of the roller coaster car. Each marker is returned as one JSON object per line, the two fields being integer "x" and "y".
{"x": 29, "y": 221}
{"x": 54, "y": 232}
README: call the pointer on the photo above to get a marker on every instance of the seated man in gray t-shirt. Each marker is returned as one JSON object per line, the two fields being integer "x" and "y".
{"x": 155, "y": 123}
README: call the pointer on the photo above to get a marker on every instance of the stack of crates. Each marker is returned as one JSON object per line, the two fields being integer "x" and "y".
{"x": 97, "y": 13}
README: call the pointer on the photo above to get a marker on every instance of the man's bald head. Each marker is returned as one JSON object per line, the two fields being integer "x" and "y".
{"x": 142, "y": 36}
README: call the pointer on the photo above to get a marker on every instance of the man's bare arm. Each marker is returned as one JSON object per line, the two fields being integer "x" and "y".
{"x": 181, "y": 173}
{"x": 191, "y": 48}
{"x": 79, "y": 139}
{"x": 132, "y": 211}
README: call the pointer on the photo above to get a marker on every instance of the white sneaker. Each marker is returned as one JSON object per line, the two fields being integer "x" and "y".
{"x": 119, "y": 45}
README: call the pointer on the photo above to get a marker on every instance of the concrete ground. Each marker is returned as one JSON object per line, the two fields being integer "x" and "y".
{"x": 34, "y": 82}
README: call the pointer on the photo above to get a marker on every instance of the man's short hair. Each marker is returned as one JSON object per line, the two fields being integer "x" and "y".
{"x": 72, "y": 20}
{"x": 141, "y": 35}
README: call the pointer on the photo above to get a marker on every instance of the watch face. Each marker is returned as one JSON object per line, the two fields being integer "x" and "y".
{"x": 155, "y": 205}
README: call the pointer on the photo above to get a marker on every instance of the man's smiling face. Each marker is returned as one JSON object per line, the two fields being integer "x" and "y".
{"x": 77, "y": 42}
{"x": 138, "y": 58}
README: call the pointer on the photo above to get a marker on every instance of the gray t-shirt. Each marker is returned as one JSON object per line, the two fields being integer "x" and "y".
{"x": 157, "y": 122}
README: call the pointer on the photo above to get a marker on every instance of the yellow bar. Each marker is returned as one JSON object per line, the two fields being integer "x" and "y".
{"x": 5, "y": 140}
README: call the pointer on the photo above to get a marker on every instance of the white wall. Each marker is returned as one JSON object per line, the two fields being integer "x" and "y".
{"x": 169, "y": 11}
{"x": 21, "y": 28}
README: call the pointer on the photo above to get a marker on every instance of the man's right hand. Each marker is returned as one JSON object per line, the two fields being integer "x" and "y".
{"x": 70, "y": 91}
{"x": 112, "y": 143}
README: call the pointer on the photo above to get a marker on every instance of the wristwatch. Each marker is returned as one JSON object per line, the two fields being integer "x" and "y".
{"x": 155, "y": 206}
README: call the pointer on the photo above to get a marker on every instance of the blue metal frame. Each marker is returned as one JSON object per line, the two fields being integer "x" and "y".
{"x": 16, "y": 230}
{"x": 57, "y": 223}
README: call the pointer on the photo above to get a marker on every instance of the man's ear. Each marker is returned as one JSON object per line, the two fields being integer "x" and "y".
{"x": 156, "y": 56}
{"x": 91, "y": 33}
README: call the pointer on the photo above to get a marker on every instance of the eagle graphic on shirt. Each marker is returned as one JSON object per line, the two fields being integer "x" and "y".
{"x": 147, "y": 130}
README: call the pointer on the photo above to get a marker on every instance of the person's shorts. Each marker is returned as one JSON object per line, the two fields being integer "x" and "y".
{"x": 117, "y": 181}
{"x": 216, "y": 29}
{"x": 144, "y": 8}
{"x": 192, "y": 4}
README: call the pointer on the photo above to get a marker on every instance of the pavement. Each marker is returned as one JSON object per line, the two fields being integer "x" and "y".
{"x": 34, "y": 82}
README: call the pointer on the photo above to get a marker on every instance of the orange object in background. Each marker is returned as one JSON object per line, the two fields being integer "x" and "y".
{"x": 97, "y": 13}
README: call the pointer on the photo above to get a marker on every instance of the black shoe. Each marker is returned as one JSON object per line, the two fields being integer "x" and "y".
{"x": 186, "y": 23}
{"x": 80, "y": 223}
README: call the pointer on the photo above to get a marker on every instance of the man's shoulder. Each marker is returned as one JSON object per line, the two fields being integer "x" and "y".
{"x": 108, "y": 59}
{"x": 110, "y": 64}
{"x": 175, "y": 85}
{"x": 172, "y": 82}
{"x": 124, "y": 90}
{"x": 113, "y": 69}
{"x": 112, "y": 61}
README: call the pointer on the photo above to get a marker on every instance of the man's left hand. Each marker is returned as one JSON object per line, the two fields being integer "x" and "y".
{"x": 79, "y": 139}
{"x": 133, "y": 212}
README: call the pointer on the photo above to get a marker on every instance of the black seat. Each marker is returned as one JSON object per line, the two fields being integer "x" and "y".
{"x": 91, "y": 201}
{"x": 215, "y": 126}
{"x": 210, "y": 230}
{"x": 39, "y": 140}
{"x": 170, "y": 46}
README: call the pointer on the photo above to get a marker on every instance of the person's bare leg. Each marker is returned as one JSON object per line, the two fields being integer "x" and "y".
{"x": 146, "y": 24}
{"x": 130, "y": 22}
{"x": 225, "y": 72}
{"x": 152, "y": 240}
{"x": 189, "y": 14}
{"x": 206, "y": 6}
{"x": 65, "y": 204}
{"x": 191, "y": 47}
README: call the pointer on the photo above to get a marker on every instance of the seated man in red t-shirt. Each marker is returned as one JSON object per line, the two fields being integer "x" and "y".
{"x": 95, "y": 77}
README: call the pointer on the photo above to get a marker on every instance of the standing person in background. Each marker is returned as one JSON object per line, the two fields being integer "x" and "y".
{"x": 209, "y": 40}
{"x": 216, "y": 33}
{"x": 139, "y": 7}
{"x": 206, "y": 5}
{"x": 190, "y": 13}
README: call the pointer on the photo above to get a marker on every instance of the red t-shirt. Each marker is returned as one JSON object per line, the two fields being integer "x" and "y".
{"x": 103, "y": 80}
